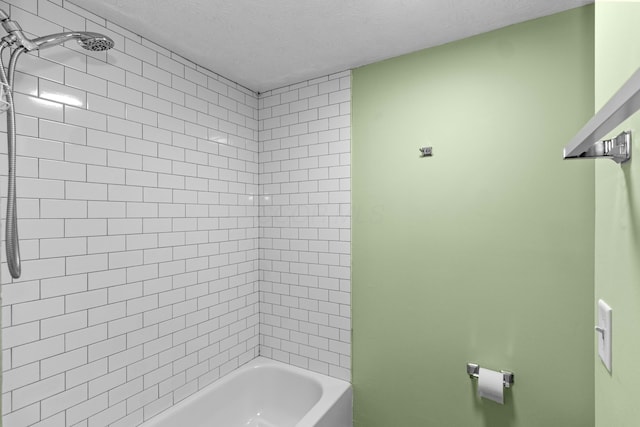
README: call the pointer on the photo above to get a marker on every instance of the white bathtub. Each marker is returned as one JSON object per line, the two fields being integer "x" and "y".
{"x": 264, "y": 393}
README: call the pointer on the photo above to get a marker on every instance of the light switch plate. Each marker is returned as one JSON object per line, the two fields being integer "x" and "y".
{"x": 603, "y": 333}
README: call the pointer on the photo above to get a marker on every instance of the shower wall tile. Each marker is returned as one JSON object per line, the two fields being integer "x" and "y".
{"x": 138, "y": 182}
{"x": 305, "y": 224}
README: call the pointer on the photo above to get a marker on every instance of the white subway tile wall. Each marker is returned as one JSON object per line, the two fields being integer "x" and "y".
{"x": 138, "y": 183}
{"x": 305, "y": 224}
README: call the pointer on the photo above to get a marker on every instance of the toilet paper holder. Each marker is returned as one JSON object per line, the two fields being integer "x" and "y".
{"x": 473, "y": 369}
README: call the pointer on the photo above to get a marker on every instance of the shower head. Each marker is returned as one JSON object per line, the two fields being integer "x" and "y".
{"x": 91, "y": 41}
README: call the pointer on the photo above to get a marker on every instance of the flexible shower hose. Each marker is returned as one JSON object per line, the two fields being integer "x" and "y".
{"x": 12, "y": 242}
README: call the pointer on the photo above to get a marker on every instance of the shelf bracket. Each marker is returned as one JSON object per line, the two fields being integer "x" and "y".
{"x": 617, "y": 149}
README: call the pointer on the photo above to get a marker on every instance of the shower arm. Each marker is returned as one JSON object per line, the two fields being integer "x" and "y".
{"x": 15, "y": 32}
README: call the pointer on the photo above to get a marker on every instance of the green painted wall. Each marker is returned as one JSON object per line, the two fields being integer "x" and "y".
{"x": 617, "y": 267}
{"x": 483, "y": 252}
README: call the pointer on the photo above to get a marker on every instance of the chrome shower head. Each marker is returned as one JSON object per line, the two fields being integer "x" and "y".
{"x": 97, "y": 43}
{"x": 94, "y": 42}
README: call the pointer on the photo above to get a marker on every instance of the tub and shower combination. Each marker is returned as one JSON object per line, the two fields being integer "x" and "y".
{"x": 262, "y": 393}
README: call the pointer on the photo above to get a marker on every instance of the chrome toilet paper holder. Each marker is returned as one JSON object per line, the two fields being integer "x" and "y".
{"x": 508, "y": 378}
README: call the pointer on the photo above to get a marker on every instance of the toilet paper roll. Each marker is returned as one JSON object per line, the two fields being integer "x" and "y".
{"x": 490, "y": 385}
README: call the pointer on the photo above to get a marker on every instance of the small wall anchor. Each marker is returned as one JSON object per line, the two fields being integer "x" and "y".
{"x": 426, "y": 151}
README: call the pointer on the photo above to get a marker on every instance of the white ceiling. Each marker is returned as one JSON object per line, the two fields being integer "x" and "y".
{"x": 264, "y": 44}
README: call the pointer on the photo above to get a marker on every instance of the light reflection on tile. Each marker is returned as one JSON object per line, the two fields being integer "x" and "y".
{"x": 62, "y": 98}
{"x": 38, "y": 107}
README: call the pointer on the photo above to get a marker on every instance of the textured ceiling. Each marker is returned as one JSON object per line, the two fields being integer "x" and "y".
{"x": 267, "y": 44}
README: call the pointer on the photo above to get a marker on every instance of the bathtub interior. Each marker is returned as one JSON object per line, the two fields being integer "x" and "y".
{"x": 269, "y": 396}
